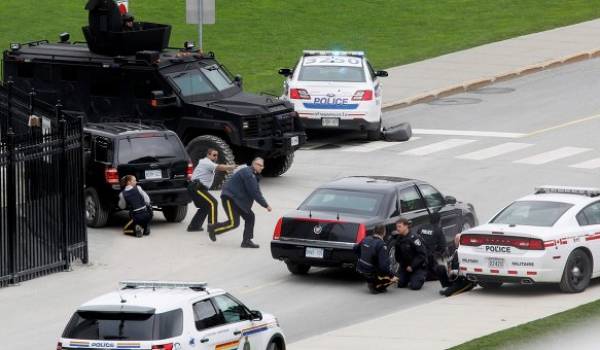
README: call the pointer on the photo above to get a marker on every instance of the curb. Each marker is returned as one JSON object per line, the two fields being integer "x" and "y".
{"x": 479, "y": 83}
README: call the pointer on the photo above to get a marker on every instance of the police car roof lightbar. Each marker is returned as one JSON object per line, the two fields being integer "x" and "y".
{"x": 585, "y": 191}
{"x": 332, "y": 53}
{"x": 163, "y": 284}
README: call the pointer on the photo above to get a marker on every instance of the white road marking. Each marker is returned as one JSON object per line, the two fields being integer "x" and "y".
{"x": 590, "y": 164}
{"x": 553, "y": 155}
{"x": 508, "y": 135}
{"x": 375, "y": 145}
{"x": 495, "y": 151}
{"x": 437, "y": 147}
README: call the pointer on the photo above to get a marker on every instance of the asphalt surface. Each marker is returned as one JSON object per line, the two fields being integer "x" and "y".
{"x": 540, "y": 113}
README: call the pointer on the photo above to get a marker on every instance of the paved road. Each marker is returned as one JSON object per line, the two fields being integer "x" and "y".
{"x": 507, "y": 150}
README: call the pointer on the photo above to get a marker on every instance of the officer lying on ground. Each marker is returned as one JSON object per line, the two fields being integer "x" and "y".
{"x": 435, "y": 243}
{"x": 374, "y": 261}
{"x": 457, "y": 284}
{"x": 411, "y": 254}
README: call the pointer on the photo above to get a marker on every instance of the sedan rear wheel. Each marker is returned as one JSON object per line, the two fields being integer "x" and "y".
{"x": 297, "y": 268}
{"x": 578, "y": 272}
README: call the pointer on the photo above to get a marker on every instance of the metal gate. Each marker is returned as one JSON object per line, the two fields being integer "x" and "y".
{"x": 42, "y": 217}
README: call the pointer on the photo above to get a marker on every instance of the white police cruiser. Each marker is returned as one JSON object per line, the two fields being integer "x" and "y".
{"x": 551, "y": 236}
{"x": 155, "y": 315}
{"x": 335, "y": 90}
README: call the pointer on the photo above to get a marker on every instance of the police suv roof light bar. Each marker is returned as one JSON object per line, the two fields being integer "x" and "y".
{"x": 332, "y": 53}
{"x": 163, "y": 284}
{"x": 585, "y": 191}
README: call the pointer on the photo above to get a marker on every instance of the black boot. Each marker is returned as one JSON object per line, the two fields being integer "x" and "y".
{"x": 249, "y": 244}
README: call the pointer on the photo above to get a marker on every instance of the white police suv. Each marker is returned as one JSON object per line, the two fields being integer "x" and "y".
{"x": 552, "y": 236}
{"x": 335, "y": 90}
{"x": 155, "y": 315}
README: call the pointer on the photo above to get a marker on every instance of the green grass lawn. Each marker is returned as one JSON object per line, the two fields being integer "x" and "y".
{"x": 256, "y": 37}
{"x": 521, "y": 334}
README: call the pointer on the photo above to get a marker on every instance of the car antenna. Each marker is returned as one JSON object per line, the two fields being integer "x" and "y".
{"x": 338, "y": 216}
{"x": 310, "y": 213}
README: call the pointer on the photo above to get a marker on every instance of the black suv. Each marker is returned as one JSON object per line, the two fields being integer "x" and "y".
{"x": 156, "y": 157}
{"x": 131, "y": 76}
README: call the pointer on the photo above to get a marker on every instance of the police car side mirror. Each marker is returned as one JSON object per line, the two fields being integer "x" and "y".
{"x": 286, "y": 72}
{"x": 238, "y": 80}
{"x": 381, "y": 73}
{"x": 256, "y": 315}
{"x": 450, "y": 200}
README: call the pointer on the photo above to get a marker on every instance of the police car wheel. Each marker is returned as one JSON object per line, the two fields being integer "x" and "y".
{"x": 297, "y": 268}
{"x": 197, "y": 148}
{"x": 274, "y": 346}
{"x": 175, "y": 213}
{"x": 578, "y": 272}
{"x": 490, "y": 285}
{"x": 96, "y": 215}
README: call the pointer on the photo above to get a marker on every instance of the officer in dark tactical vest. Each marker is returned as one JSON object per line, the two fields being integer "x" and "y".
{"x": 411, "y": 255}
{"x": 134, "y": 199}
{"x": 374, "y": 261}
{"x": 435, "y": 243}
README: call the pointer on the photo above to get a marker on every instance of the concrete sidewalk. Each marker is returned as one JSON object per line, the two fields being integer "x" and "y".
{"x": 453, "y": 321}
{"x": 470, "y": 69}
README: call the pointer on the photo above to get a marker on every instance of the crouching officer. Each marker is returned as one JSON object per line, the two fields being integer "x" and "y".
{"x": 411, "y": 255}
{"x": 457, "y": 284}
{"x": 374, "y": 262}
{"x": 435, "y": 243}
{"x": 136, "y": 200}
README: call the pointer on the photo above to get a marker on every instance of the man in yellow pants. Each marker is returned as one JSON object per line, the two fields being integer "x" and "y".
{"x": 202, "y": 179}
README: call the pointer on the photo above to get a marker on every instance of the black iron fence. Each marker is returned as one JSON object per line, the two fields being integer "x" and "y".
{"x": 42, "y": 217}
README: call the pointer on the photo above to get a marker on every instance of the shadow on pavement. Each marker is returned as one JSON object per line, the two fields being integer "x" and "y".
{"x": 534, "y": 290}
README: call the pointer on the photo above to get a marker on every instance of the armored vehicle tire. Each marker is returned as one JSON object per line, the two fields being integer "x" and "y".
{"x": 297, "y": 268}
{"x": 175, "y": 213}
{"x": 96, "y": 214}
{"x": 197, "y": 148}
{"x": 278, "y": 166}
{"x": 578, "y": 272}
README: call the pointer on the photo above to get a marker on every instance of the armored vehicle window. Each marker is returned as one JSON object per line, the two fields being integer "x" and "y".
{"x": 143, "y": 149}
{"x": 218, "y": 78}
{"x": 192, "y": 83}
{"x": 206, "y": 316}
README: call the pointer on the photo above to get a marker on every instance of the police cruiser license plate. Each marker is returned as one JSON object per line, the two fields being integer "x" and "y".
{"x": 314, "y": 252}
{"x": 496, "y": 262}
{"x": 330, "y": 122}
{"x": 294, "y": 141}
{"x": 153, "y": 174}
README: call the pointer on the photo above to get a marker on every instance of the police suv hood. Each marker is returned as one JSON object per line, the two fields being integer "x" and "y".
{"x": 245, "y": 104}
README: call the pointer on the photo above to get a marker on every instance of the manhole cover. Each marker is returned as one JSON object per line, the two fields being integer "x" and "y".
{"x": 452, "y": 101}
{"x": 493, "y": 90}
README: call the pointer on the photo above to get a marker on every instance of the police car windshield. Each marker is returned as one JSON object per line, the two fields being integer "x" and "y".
{"x": 340, "y": 201}
{"x": 532, "y": 213}
{"x": 95, "y": 325}
{"x": 332, "y": 73}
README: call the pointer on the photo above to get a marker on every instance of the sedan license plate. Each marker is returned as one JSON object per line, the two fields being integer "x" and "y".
{"x": 496, "y": 262}
{"x": 314, "y": 252}
{"x": 330, "y": 122}
{"x": 153, "y": 174}
{"x": 294, "y": 141}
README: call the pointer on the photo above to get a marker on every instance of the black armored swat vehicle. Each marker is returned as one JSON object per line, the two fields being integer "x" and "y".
{"x": 129, "y": 75}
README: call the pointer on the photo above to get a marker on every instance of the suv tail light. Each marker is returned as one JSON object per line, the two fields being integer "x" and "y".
{"x": 168, "y": 346}
{"x": 277, "y": 231}
{"x": 190, "y": 170}
{"x": 111, "y": 175}
{"x": 517, "y": 242}
{"x": 299, "y": 94}
{"x": 363, "y": 95}
{"x": 361, "y": 233}
{"x": 59, "y": 346}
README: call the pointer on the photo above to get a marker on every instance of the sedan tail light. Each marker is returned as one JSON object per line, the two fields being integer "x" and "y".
{"x": 361, "y": 233}
{"x": 277, "y": 231}
{"x": 363, "y": 95}
{"x": 299, "y": 94}
{"x": 111, "y": 175}
{"x": 168, "y": 346}
{"x": 189, "y": 170}
{"x": 524, "y": 243}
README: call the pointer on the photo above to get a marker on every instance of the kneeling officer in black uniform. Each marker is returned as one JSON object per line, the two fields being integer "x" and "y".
{"x": 137, "y": 201}
{"x": 374, "y": 261}
{"x": 435, "y": 243}
{"x": 411, "y": 254}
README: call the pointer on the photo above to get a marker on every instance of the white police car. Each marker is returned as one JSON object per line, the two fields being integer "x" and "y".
{"x": 155, "y": 315}
{"x": 552, "y": 236}
{"x": 335, "y": 90}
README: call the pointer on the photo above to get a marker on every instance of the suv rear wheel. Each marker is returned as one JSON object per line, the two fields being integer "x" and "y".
{"x": 197, "y": 148}
{"x": 96, "y": 214}
{"x": 278, "y": 166}
{"x": 175, "y": 213}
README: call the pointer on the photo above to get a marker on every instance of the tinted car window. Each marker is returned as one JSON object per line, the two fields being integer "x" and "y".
{"x": 533, "y": 213}
{"x": 102, "y": 150}
{"x": 410, "y": 200}
{"x": 231, "y": 309}
{"x": 332, "y": 73}
{"x": 124, "y": 326}
{"x": 432, "y": 197}
{"x": 590, "y": 215}
{"x": 149, "y": 149}
{"x": 341, "y": 201}
{"x": 206, "y": 316}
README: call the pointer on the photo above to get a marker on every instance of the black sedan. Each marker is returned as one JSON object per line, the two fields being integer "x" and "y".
{"x": 325, "y": 228}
